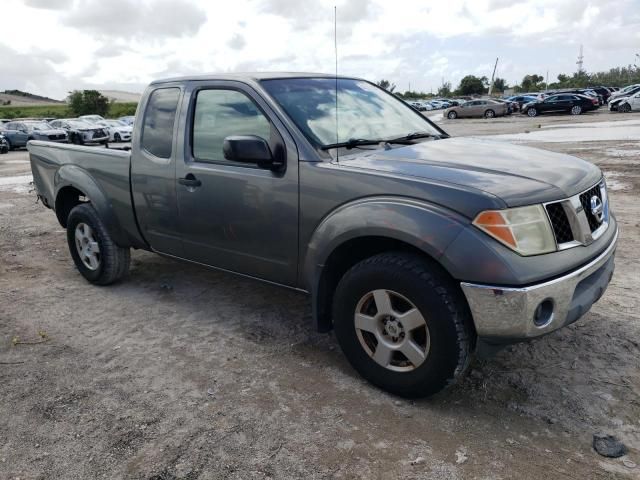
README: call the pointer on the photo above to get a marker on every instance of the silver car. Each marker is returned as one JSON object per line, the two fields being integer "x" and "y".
{"x": 477, "y": 108}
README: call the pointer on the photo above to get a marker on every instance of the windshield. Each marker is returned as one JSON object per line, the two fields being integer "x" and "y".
{"x": 114, "y": 123}
{"x": 38, "y": 125}
{"x": 364, "y": 110}
{"x": 78, "y": 124}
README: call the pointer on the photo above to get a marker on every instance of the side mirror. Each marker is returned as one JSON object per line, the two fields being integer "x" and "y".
{"x": 250, "y": 149}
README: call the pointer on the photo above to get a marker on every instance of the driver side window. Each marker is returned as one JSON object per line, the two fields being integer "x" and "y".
{"x": 222, "y": 113}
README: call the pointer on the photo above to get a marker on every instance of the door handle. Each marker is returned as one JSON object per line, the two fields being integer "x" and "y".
{"x": 190, "y": 181}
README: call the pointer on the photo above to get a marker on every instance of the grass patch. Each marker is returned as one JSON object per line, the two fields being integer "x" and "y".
{"x": 61, "y": 111}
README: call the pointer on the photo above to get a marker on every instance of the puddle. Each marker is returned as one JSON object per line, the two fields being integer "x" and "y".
{"x": 614, "y": 184}
{"x": 618, "y": 152}
{"x": 623, "y": 130}
{"x": 17, "y": 183}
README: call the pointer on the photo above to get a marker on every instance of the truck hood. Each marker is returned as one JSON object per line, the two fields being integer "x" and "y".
{"x": 518, "y": 175}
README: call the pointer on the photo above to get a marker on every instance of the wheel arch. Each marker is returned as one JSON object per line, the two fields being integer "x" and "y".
{"x": 73, "y": 186}
{"x": 368, "y": 227}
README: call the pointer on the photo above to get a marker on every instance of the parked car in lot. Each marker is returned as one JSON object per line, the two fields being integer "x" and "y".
{"x": 127, "y": 119}
{"x": 118, "y": 131}
{"x": 626, "y": 104}
{"x": 520, "y": 100}
{"x": 418, "y": 249}
{"x": 4, "y": 146}
{"x": 418, "y": 106}
{"x": 81, "y": 131}
{"x": 37, "y": 130}
{"x": 564, "y": 103}
{"x": 14, "y": 138}
{"x": 477, "y": 108}
{"x": 92, "y": 118}
{"x": 625, "y": 92}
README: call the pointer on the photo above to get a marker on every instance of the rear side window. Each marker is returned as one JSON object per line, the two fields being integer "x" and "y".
{"x": 221, "y": 113}
{"x": 159, "y": 118}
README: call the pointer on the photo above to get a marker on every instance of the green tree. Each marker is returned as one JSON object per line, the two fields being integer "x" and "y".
{"x": 470, "y": 85}
{"x": 531, "y": 83}
{"x": 387, "y": 85}
{"x": 499, "y": 84}
{"x": 88, "y": 102}
{"x": 444, "y": 90}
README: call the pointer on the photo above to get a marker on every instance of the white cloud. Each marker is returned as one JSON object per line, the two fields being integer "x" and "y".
{"x": 67, "y": 44}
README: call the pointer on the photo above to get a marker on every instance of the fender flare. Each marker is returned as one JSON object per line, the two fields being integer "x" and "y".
{"x": 427, "y": 227}
{"x": 80, "y": 179}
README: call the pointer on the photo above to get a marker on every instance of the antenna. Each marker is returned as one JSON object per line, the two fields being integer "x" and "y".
{"x": 580, "y": 61}
{"x": 335, "y": 48}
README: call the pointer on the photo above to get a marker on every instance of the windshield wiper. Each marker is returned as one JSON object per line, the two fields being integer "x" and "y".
{"x": 357, "y": 142}
{"x": 353, "y": 143}
{"x": 413, "y": 136}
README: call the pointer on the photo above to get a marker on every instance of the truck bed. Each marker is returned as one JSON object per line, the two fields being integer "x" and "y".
{"x": 104, "y": 171}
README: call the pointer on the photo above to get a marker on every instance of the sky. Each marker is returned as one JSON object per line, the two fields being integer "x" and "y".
{"x": 49, "y": 47}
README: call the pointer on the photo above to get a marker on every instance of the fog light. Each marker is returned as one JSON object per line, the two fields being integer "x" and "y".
{"x": 544, "y": 313}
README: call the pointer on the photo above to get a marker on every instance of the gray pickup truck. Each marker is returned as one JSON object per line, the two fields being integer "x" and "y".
{"x": 418, "y": 250}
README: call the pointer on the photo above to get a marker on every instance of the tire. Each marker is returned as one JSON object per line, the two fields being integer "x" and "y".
{"x": 9, "y": 144}
{"x": 576, "y": 110}
{"x": 452, "y": 115}
{"x": 77, "y": 139}
{"x": 112, "y": 261}
{"x": 624, "y": 108}
{"x": 532, "y": 112}
{"x": 4, "y": 150}
{"x": 413, "y": 282}
{"x": 489, "y": 114}
{"x": 117, "y": 138}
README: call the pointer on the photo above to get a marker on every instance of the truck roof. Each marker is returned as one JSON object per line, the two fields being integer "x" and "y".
{"x": 244, "y": 76}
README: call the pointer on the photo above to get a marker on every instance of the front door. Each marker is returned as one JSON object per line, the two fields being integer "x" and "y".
{"x": 237, "y": 216}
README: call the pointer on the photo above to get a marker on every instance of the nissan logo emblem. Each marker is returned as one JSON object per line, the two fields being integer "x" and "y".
{"x": 597, "y": 210}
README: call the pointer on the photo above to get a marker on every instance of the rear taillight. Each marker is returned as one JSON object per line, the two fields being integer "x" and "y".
{"x": 595, "y": 102}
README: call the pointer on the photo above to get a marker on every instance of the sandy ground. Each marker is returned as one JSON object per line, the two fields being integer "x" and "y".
{"x": 185, "y": 373}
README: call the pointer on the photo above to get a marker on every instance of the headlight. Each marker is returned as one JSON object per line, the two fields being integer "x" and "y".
{"x": 526, "y": 230}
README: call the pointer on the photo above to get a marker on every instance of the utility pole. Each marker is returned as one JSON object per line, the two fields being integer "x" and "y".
{"x": 493, "y": 76}
{"x": 546, "y": 83}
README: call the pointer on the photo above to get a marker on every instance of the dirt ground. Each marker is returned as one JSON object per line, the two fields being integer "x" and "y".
{"x": 186, "y": 373}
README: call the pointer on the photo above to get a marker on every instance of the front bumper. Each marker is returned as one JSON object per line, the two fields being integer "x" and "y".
{"x": 504, "y": 315}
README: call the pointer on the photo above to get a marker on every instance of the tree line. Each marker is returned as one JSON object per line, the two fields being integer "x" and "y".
{"x": 473, "y": 85}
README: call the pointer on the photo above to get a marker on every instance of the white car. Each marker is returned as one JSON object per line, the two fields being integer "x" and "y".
{"x": 625, "y": 92}
{"x": 118, "y": 131}
{"x": 91, "y": 118}
{"x": 626, "y": 104}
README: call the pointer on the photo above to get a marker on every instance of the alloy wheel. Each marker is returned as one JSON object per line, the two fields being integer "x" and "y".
{"x": 391, "y": 330}
{"x": 87, "y": 246}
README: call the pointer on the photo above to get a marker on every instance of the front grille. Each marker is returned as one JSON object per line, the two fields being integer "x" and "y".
{"x": 560, "y": 223}
{"x": 98, "y": 134}
{"x": 585, "y": 201}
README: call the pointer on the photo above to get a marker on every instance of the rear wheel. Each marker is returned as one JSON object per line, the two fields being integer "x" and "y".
{"x": 532, "y": 112}
{"x": 403, "y": 324}
{"x": 96, "y": 256}
{"x": 576, "y": 110}
{"x": 452, "y": 115}
{"x": 489, "y": 114}
{"x": 624, "y": 108}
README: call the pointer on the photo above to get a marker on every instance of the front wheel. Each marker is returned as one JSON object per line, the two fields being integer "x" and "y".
{"x": 576, "y": 110}
{"x": 403, "y": 324}
{"x": 94, "y": 252}
{"x": 624, "y": 108}
{"x": 117, "y": 138}
{"x": 452, "y": 115}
